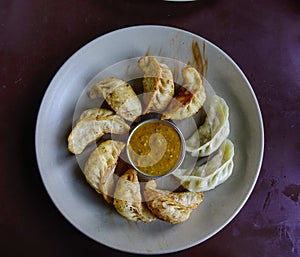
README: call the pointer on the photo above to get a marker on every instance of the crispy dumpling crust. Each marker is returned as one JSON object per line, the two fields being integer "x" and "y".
{"x": 190, "y": 98}
{"x": 172, "y": 207}
{"x": 120, "y": 96}
{"x": 95, "y": 112}
{"x": 128, "y": 199}
{"x": 92, "y": 126}
{"x": 158, "y": 84}
{"x": 100, "y": 166}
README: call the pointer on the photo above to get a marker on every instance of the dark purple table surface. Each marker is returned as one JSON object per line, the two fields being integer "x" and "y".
{"x": 37, "y": 37}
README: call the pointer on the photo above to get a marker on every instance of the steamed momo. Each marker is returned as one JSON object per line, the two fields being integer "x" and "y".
{"x": 128, "y": 198}
{"x": 214, "y": 130}
{"x": 100, "y": 167}
{"x": 120, "y": 96}
{"x": 190, "y": 98}
{"x": 158, "y": 84}
{"x": 207, "y": 176}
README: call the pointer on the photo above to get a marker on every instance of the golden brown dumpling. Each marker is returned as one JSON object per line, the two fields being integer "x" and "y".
{"x": 91, "y": 127}
{"x": 158, "y": 84}
{"x": 172, "y": 207}
{"x": 190, "y": 98}
{"x": 128, "y": 199}
{"x": 120, "y": 96}
{"x": 95, "y": 112}
{"x": 100, "y": 166}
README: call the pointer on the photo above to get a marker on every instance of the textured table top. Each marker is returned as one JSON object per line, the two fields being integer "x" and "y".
{"x": 37, "y": 37}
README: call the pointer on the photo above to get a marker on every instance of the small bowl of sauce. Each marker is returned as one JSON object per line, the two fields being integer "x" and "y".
{"x": 155, "y": 148}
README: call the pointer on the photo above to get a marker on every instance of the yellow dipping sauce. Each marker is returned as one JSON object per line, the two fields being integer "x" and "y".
{"x": 154, "y": 148}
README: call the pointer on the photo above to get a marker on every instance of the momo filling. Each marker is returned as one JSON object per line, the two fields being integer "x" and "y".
{"x": 154, "y": 148}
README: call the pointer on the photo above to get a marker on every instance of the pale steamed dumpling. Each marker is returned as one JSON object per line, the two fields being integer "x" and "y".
{"x": 207, "y": 176}
{"x": 214, "y": 130}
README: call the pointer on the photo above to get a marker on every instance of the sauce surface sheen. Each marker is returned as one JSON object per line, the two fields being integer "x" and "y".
{"x": 155, "y": 148}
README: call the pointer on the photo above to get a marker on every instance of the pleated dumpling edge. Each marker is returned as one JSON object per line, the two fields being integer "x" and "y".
{"x": 215, "y": 129}
{"x": 208, "y": 176}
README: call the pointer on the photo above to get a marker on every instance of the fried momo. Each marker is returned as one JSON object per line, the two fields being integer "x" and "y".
{"x": 100, "y": 166}
{"x": 92, "y": 127}
{"x": 95, "y": 112}
{"x": 120, "y": 96}
{"x": 215, "y": 129}
{"x": 158, "y": 84}
{"x": 207, "y": 176}
{"x": 128, "y": 199}
{"x": 190, "y": 98}
{"x": 172, "y": 207}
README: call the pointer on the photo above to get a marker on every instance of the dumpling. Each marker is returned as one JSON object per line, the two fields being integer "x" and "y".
{"x": 95, "y": 112}
{"x": 190, "y": 98}
{"x": 172, "y": 207}
{"x": 214, "y": 130}
{"x": 91, "y": 127}
{"x": 128, "y": 199}
{"x": 158, "y": 84}
{"x": 120, "y": 96}
{"x": 207, "y": 176}
{"x": 100, "y": 166}
{"x": 187, "y": 198}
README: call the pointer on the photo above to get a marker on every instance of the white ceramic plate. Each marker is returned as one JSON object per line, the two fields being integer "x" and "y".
{"x": 62, "y": 176}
